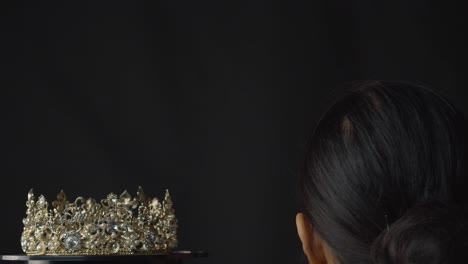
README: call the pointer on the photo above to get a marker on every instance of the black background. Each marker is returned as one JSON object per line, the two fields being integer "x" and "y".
{"x": 210, "y": 99}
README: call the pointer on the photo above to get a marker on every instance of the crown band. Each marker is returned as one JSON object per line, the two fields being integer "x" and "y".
{"x": 116, "y": 225}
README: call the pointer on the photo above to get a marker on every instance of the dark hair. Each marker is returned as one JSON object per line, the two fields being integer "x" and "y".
{"x": 385, "y": 176}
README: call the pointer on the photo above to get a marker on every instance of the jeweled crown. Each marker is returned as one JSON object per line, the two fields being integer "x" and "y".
{"x": 115, "y": 225}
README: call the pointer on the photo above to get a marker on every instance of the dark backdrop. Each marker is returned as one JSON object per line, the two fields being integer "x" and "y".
{"x": 211, "y": 99}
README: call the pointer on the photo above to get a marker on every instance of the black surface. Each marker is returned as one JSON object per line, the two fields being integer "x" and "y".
{"x": 108, "y": 258}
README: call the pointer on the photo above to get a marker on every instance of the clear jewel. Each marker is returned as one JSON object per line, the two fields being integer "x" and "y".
{"x": 72, "y": 242}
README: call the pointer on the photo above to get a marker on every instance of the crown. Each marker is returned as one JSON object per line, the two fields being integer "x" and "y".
{"x": 115, "y": 225}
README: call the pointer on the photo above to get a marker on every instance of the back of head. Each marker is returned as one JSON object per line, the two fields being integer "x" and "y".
{"x": 385, "y": 176}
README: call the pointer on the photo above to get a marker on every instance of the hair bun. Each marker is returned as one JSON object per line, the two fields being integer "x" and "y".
{"x": 429, "y": 233}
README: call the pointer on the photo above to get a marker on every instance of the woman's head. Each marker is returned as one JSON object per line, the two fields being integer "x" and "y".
{"x": 385, "y": 169}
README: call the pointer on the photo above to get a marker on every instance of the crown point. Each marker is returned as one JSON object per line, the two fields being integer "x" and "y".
{"x": 61, "y": 196}
{"x": 125, "y": 197}
{"x": 41, "y": 202}
{"x": 167, "y": 200}
{"x": 141, "y": 194}
{"x": 30, "y": 194}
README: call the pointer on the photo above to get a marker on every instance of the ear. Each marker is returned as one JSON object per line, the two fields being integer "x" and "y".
{"x": 312, "y": 244}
